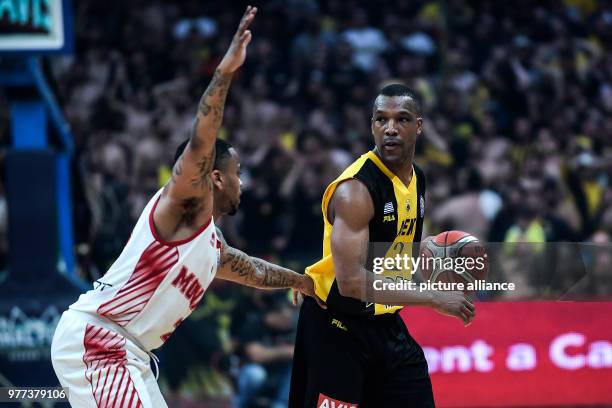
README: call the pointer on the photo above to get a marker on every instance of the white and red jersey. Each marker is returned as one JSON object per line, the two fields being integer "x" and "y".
{"x": 154, "y": 285}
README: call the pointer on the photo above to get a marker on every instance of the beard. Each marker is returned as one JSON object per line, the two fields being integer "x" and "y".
{"x": 234, "y": 209}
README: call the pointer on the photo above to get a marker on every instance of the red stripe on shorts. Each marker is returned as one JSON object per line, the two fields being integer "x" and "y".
{"x": 105, "y": 359}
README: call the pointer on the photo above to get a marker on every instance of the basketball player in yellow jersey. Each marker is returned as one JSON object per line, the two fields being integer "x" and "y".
{"x": 357, "y": 352}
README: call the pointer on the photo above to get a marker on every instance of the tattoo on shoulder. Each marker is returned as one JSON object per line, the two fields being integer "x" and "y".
{"x": 177, "y": 170}
{"x": 205, "y": 165}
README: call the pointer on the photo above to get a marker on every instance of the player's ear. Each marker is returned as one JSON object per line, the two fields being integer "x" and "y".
{"x": 419, "y": 124}
{"x": 217, "y": 178}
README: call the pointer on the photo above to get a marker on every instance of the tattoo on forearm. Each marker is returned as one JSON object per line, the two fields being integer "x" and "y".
{"x": 219, "y": 85}
{"x": 275, "y": 276}
{"x": 257, "y": 272}
{"x": 211, "y": 106}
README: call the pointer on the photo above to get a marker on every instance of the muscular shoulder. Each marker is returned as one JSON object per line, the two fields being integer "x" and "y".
{"x": 352, "y": 202}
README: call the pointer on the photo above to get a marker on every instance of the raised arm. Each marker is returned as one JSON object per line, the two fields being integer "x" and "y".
{"x": 350, "y": 212}
{"x": 190, "y": 175}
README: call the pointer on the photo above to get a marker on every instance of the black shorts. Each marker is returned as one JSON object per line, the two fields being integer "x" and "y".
{"x": 357, "y": 361}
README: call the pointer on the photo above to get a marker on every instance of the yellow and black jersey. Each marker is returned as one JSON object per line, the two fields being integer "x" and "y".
{"x": 397, "y": 224}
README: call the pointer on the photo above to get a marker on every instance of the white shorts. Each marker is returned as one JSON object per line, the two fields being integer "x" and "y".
{"x": 100, "y": 367}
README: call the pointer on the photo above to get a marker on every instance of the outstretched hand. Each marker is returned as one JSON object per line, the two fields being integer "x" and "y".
{"x": 236, "y": 54}
{"x": 307, "y": 289}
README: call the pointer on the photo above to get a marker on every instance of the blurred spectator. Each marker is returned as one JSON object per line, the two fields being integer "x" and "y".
{"x": 472, "y": 210}
{"x": 266, "y": 350}
{"x": 366, "y": 41}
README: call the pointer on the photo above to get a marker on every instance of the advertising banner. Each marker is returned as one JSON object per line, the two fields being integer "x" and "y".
{"x": 518, "y": 354}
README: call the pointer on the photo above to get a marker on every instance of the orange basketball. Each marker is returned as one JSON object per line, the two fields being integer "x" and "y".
{"x": 454, "y": 256}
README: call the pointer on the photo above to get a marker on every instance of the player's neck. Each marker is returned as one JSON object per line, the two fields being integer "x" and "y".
{"x": 217, "y": 215}
{"x": 402, "y": 170}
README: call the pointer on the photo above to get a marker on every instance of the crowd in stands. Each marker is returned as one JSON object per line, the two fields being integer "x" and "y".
{"x": 517, "y": 141}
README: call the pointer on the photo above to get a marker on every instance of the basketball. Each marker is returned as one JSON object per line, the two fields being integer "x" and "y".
{"x": 454, "y": 256}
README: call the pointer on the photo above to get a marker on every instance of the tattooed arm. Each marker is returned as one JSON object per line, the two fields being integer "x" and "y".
{"x": 190, "y": 175}
{"x": 236, "y": 266}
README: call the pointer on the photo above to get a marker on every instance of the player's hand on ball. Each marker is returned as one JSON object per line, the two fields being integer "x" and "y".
{"x": 235, "y": 55}
{"x": 454, "y": 303}
{"x": 307, "y": 288}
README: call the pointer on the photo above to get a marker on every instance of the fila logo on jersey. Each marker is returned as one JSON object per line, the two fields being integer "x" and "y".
{"x": 329, "y": 402}
{"x": 389, "y": 218}
{"x": 339, "y": 324}
{"x": 189, "y": 285}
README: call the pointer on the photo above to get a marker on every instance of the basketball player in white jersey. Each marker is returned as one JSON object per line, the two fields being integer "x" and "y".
{"x": 102, "y": 346}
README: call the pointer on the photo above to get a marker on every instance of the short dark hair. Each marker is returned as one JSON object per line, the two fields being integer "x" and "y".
{"x": 221, "y": 152}
{"x": 401, "y": 90}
